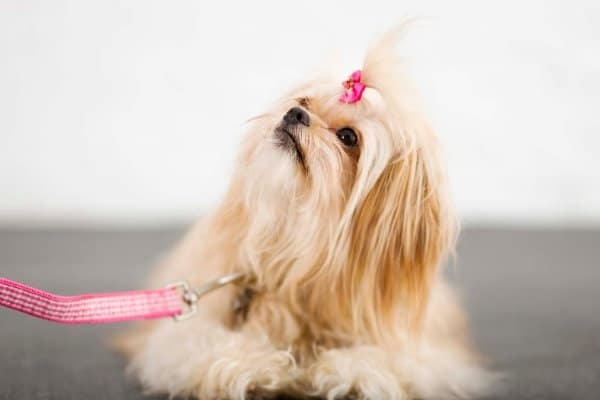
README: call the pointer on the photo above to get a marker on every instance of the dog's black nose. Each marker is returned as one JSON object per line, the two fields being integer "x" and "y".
{"x": 297, "y": 116}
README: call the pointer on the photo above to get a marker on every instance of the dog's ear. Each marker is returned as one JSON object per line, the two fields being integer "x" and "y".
{"x": 401, "y": 231}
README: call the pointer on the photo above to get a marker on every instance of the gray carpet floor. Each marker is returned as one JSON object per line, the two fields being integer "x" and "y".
{"x": 533, "y": 298}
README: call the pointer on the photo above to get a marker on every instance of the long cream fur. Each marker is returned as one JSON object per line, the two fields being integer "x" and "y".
{"x": 342, "y": 255}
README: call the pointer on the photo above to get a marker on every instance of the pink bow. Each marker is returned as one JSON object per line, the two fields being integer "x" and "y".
{"x": 354, "y": 88}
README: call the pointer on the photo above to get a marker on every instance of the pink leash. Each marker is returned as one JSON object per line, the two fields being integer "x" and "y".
{"x": 177, "y": 300}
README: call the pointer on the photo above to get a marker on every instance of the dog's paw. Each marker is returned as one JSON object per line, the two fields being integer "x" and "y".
{"x": 355, "y": 374}
{"x": 249, "y": 376}
{"x": 211, "y": 362}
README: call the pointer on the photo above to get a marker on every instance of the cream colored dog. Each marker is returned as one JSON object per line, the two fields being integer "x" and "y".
{"x": 339, "y": 218}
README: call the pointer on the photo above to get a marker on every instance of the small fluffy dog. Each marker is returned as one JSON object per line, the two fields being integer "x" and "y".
{"x": 339, "y": 218}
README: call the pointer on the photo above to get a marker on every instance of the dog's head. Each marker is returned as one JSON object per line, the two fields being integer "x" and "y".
{"x": 346, "y": 198}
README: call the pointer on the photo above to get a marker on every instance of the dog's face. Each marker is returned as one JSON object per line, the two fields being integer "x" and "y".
{"x": 307, "y": 149}
{"x": 350, "y": 193}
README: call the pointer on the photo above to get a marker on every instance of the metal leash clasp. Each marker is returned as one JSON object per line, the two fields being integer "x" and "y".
{"x": 190, "y": 296}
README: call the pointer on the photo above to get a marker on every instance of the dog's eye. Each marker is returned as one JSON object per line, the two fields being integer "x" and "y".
{"x": 347, "y": 136}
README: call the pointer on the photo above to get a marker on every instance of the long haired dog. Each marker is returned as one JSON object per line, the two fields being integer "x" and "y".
{"x": 339, "y": 218}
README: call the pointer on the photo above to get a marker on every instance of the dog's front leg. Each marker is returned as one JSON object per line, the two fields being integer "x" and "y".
{"x": 203, "y": 358}
{"x": 371, "y": 372}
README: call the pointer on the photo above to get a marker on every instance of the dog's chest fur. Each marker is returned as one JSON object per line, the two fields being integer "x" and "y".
{"x": 263, "y": 312}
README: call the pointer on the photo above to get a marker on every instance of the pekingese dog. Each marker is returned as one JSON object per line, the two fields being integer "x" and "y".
{"x": 338, "y": 217}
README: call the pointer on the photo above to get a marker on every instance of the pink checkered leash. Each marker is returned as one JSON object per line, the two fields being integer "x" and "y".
{"x": 177, "y": 300}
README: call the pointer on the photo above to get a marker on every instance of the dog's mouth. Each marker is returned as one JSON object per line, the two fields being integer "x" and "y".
{"x": 286, "y": 138}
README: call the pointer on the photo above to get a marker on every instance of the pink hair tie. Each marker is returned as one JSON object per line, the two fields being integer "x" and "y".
{"x": 354, "y": 88}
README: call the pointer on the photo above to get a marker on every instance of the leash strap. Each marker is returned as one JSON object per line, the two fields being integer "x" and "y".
{"x": 177, "y": 300}
{"x": 91, "y": 308}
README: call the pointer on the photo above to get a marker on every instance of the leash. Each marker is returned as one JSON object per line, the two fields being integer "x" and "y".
{"x": 178, "y": 300}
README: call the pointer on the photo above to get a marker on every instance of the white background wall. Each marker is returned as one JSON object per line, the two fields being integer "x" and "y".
{"x": 131, "y": 111}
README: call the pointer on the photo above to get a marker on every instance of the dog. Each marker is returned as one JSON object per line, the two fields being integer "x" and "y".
{"x": 338, "y": 216}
